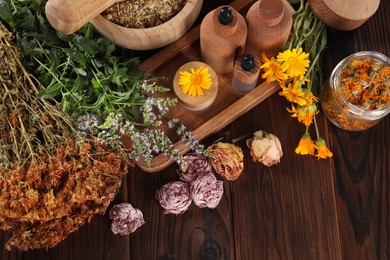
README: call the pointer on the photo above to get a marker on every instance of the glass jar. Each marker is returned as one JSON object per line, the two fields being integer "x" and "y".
{"x": 336, "y": 96}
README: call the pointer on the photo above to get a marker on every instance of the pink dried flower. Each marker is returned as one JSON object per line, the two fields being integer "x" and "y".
{"x": 265, "y": 148}
{"x": 174, "y": 197}
{"x": 229, "y": 160}
{"x": 125, "y": 219}
{"x": 196, "y": 166}
{"x": 207, "y": 191}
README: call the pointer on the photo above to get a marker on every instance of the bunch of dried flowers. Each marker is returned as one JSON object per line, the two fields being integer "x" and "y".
{"x": 200, "y": 185}
{"x": 105, "y": 91}
{"x": 52, "y": 180}
{"x": 297, "y": 69}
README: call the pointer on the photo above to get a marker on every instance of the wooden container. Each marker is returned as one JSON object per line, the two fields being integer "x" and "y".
{"x": 246, "y": 73}
{"x": 154, "y": 37}
{"x": 197, "y": 103}
{"x": 64, "y": 18}
{"x": 344, "y": 15}
{"x": 221, "y": 43}
{"x": 269, "y": 25}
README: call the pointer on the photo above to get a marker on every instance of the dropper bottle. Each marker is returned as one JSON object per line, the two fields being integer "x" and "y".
{"x": 245, "y": 74}
{"x": 223, "y": 34}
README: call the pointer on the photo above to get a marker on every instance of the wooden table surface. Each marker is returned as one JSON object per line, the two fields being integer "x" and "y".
{"x": 303, "y": 208}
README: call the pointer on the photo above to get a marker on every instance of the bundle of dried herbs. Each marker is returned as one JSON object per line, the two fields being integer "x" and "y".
{"x": 143, "y": 13}
{"x": 52, "y": 180}
{"x": 97, "y": 84}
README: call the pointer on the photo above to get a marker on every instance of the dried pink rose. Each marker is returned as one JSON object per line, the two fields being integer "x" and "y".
{"x": 229, "y": 160}
{"x": 207, "y": 191}
{"x": 265, "y": 148}
{"x": 196, "y": 166}
{"x": 174, "y": 197}
{"x": 125, "y": 219}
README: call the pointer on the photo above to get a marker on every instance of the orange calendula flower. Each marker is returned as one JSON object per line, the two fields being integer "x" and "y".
{"x": 309, "y": 97}
{"x": 294, "y": 62}
{"x": 306, "y": 145}
{"x": 304, "y": 114}
{"x": 192, "y": 83}
{"x": 293, "y": 93}
{"x": 272, "y": 70}
{"x": 322, "y": 151}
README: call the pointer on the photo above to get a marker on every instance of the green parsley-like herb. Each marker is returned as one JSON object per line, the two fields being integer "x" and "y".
{"x": 94, "y": 83}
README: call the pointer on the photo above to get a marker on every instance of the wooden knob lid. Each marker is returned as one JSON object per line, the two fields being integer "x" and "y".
{"x": 224, "y": 29}
{"x": 344, "y": 15}
{"x": 271, "y": 12}
{"x": 246, "y": 76}
{"x": 197, "y": 103}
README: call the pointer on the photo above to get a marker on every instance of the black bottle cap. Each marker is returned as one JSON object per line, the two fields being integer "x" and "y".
{"x": 225, "y": 16}
{"x": 248, "y": 62}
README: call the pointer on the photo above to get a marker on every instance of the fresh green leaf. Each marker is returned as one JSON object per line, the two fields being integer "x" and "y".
{"x": 50, "y": 92}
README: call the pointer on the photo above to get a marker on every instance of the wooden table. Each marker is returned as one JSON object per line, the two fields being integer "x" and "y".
{"x": 303, "y": 208}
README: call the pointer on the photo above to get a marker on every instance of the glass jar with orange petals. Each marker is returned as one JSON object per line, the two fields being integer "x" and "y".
{"x": 357, "y": 94}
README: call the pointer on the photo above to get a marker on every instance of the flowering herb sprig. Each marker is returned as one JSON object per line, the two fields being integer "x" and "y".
{"x": 106, "y": 91}
{"x": 298, "y": 71}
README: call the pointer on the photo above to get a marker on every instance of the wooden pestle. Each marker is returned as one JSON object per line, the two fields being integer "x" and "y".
{"x": 67, "y": 16}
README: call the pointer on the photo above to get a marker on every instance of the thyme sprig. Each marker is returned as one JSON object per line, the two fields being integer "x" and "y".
{"x": 91, "y": 79}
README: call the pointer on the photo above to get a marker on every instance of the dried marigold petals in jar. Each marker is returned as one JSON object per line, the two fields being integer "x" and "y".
{"x": 357, "y": 94}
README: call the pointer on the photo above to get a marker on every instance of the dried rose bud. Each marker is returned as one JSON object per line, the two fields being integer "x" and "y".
{"x": 125, "y": 219}
{"x": 196, "y": 166}
{"x": 207, "y": 191}
{"x": 174, "y": 197}
{"x": 265, "y": 148}
{"x": 229, "y": 160}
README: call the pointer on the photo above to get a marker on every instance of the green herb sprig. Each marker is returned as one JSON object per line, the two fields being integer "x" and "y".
{"x": 91, "y": 80}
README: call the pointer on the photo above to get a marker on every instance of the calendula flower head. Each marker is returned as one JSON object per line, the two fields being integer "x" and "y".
{"x": 192, "y": 83}
{"x": 304, "y": 114}
{"x": 294, "y": 62}
{"x": 306, "y": 145}
{"x": 272, "y": 70}
{"x": 310, "y": 98}
{"x": 293, "y": 93}
{"x": 322, "y": 151}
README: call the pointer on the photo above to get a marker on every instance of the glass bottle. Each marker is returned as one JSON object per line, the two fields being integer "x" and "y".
{"x": 338, "y": 109}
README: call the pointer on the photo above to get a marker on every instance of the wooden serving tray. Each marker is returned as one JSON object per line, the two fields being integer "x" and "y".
{"x": 227, "y": 107}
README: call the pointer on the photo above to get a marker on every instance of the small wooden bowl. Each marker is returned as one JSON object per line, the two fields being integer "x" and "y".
{"x": 197, "y": 103}
{"x": 344, "y": 15}
{"x": 154, "y": 37}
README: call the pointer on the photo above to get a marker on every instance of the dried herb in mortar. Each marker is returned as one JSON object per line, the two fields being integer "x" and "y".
{"x": 143, "y": 13}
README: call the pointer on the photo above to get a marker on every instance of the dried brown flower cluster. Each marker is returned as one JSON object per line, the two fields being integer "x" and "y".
{"x": 143, "y": 13}
{"x": 43, "y": 202}
{"x": 52, "y": 180}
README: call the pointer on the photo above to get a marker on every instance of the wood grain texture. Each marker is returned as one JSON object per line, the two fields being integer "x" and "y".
{"x": 67, "y": 16}
{"x": 153, "y": 37}
{"x": 269, "y": 25}
{"x": 362, "y": 159}
{"x": 344, "y": 15}
{"x": 227, "y": 107}
{"x": 301, "y": 208}
{"x": 221, "y": 44}
{"x": 196, "y": 103}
